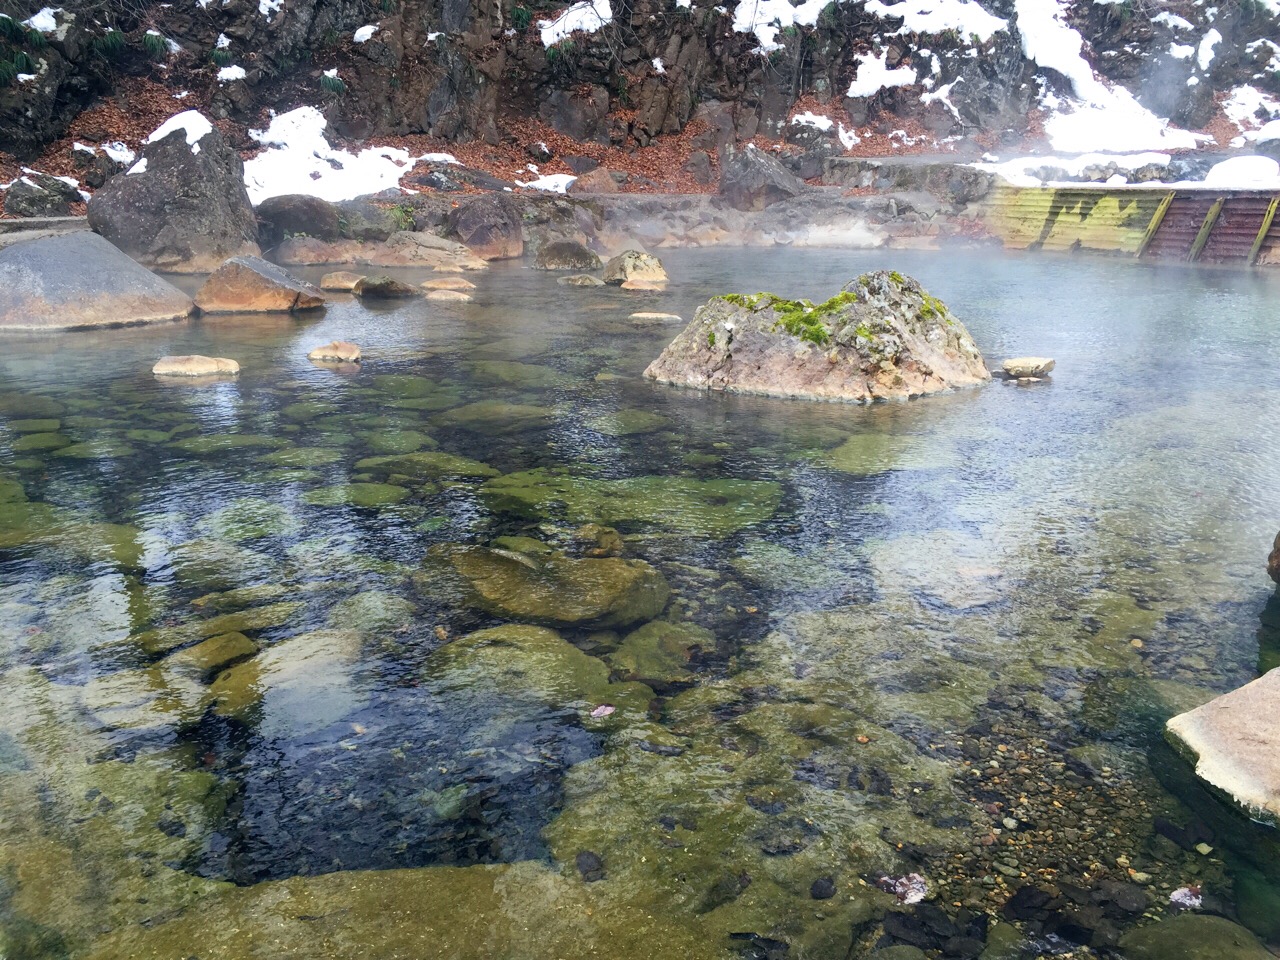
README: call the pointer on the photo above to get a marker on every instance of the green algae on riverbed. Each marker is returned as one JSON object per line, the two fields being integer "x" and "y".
{"x": 247, "y": 714}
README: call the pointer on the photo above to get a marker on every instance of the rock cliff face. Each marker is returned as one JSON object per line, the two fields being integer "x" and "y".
{"x": 882, "y": 338}
{"x": 463, "y": 71}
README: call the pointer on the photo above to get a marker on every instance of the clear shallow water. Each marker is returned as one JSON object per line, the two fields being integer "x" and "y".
{"x": 890, "y": 595}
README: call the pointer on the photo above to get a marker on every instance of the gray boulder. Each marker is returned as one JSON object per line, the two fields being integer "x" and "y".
{"x": 182, "y": 208}
{"x": 566, "y": 255}
{"x": 491, "y": 227}
{"x": 40, "y": 195}
{"x": 883, "y": 337}
{"x": 80, "y": 280}
{"x": 297, "y": 215}
{"x": 752, "y": 180}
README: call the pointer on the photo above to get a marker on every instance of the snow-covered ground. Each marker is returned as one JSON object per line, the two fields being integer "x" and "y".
{"x": 299, "y": 159}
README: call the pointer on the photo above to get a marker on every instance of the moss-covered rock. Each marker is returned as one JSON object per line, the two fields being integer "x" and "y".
{"x": 371, "y": 612}
{"x": 1193, "y": 937}
{"x": 881, "y": 337}
{"x": 426, "y": 464}
{"x": 496, "y": 418}
{"x": 553, "y": 589}
{"x": 659, "y": 653}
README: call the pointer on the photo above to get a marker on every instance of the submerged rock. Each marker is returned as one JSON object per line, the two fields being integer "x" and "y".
{"x": 580, "y": 280}
{"x": 1234, "y": 741}
{"x": 336, "y": 351}
{"x": 566, "y": 255}
{"x": 340, "y": 280}
{"x": 554, "y": 589}
{"x": 456, "y": 296}
{"x": 195, "y": 365}
{"x": 633, "y": 266}
{"x": 448, "y": 283}
{"x": 1193, "y": 937}
{"x": 383, "y": 287}
{"x": 252, "y": 285}
{"x": 1020, "y": 367}
{"x": 1273, "y": 561}
{"x": 882, "y": 337}
{"x": 80, "y": 280}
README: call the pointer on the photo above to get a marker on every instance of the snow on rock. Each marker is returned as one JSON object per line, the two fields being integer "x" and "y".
{"x": 1244, "y": 173}
{"x": 933, "y": 17}
{"x": 873, "y": 76}
{"x": 299, "y": 159}
{"x": 552, "y": 183}
{"x": 1051, "y": 42}
{"x": 811, "y": 119}
{"x": 365, "y": 33}
{"x": 1249, "y": 108}
{"x": 1172, "y": 21}
{"x": 222, "y": 42}
{"x": 227, "y": 74}
{"x": 46, "y": 21}
{"x": 658, "y": 66}
{"x": 1020, "y": 172}
{"x": 767, "y": 18}
{"x": 192, "y": 122}
{"x": 849, "y": 137}
{"x": 119, "y": 152}
{"x": 587, "y": 17}
{"x": 267, "y": 7}
{"x": 1181, "y": 51}
{"x": 139, "y": 167}
{"x": 1206, "y": 51}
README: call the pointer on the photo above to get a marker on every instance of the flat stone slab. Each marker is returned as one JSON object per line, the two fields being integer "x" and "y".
{"x": 1234, "y": 740}
{"x": 78, "y": 279}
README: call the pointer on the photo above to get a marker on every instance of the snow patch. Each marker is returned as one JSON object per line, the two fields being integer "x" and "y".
{"x": 657, "y": 65}
{"x": 938, "y": 16}
{"x": 227, "y": 74}
{"x": 587, "y": 17}
{"x": 119, "y": 152}
{"x": 943, "y": 96}
{"x": 300, "y": 160}
{"x": 332, "y": 74}
{"x": 1205, "y": 54}
{"x": 139, "y": 167}
{"x": 767, "y": 18}
{"x": 222, "y": 42}
{"x": 46, "y": 21}
{"x": 1172, "y": 21}
{"x": 873, "y": 76}
{"x": 1244, "y": 173}
{"x": 26, "y": 77}
{"x": 365, "y": 33}
{"x": 192, "y": 122}
{"x": 552, "y": 183}
{"x": 1019, "y": 172}
{"x": 1181, "y": 51}
{"x": 266, "y": 7}
{"x": 811, "y": 119}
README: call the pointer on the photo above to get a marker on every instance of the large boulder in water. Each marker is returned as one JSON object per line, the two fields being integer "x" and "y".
{"x": 553, "y": 589}
{"x": 1273, "y": 561}
{"x": 491, "y": 227}
{"x": 80, "y": 280}
{"x": 883, "y": 337}
{"x": 182, "y": 208}
{"x": 752, "y": 180}
{"x": 1234, "y": 741}
{"x": 252, "y": 285}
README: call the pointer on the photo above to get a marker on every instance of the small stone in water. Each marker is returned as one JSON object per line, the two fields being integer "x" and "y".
{"x": 590, "y": 866}
{"x": 602, "y": 711}
{"x": 1203, "y": 849}
{"x": 824, "y": 888}
{"x": 909, "y": 889}
{"x": 1010, "y": 823}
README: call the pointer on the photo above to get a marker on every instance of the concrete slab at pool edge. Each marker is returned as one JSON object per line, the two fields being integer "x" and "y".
{"x": 76, "y": 280}
{"x": 1234, "y": 741}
